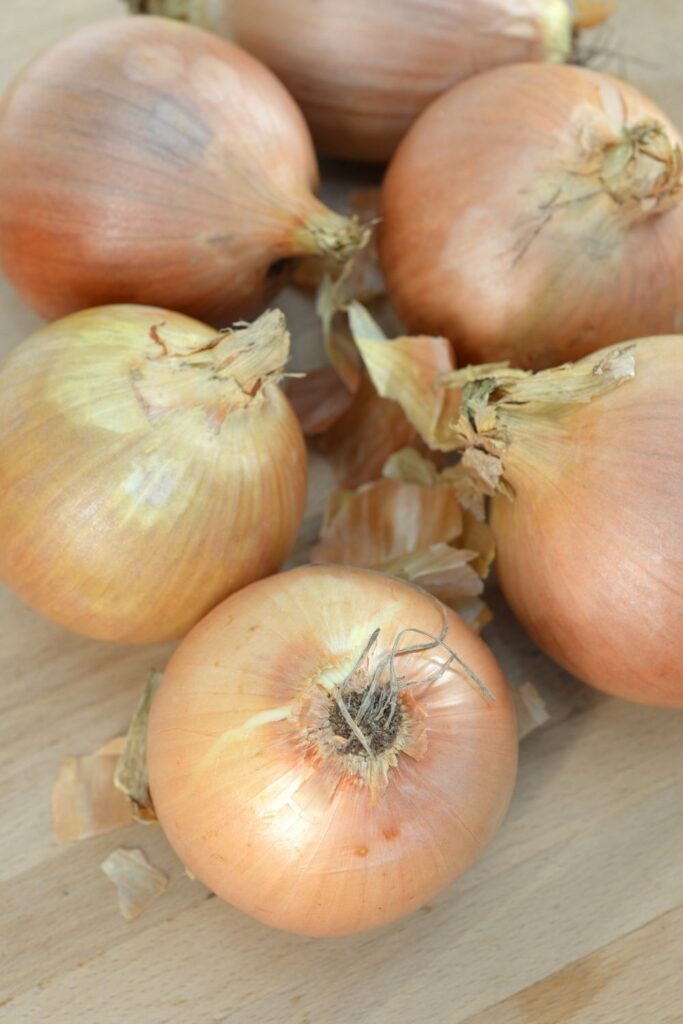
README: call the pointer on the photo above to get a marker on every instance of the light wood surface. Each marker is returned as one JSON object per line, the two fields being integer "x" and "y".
{"x": 573, "y": 916}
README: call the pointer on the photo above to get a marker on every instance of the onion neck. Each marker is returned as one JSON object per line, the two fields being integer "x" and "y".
{"x": 555, "y": 21}
{"x": 643, "y": 171}
{"x": 510, "y": 419}
{"x": 329, "y": 234}
{"x": 229, "y": 372}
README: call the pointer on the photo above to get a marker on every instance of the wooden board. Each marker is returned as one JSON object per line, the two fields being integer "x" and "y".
{"x": 575, "y": 914}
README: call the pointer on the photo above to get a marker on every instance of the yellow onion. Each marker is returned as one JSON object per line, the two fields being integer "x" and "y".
{"x": 533, "y": 214}
{"x": 148, "y": 468}
{"x": 147, "y": 161}
{"x": 329, "y": 748}
{"x": 363, "y": 71}
{"x": 588, "y": 519}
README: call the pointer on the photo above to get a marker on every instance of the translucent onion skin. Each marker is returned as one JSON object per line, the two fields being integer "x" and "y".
{"x": 142, "y": 160}
{"x": 540, "y": 227}
{"x": 590, "y": 551}
{"x": 363, "y": 71}
{"x": 297, "y": 837}
{"x": 136, "y": 491}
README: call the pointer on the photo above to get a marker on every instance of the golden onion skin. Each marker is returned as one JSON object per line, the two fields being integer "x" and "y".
{"x": 302, "y": 839}
{"x": 590, "y": 550}
{"x": 130, "y": 507}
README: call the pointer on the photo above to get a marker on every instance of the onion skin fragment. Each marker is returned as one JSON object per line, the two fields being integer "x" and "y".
{"x": 268, "y": 797}
{"x": 540, "y": 229}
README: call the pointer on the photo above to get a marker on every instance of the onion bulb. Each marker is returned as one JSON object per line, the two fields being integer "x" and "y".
{"x": 363, "y": 71}
{"x": 142, "y": 160}
{"x": 541, "y": 228}
{"x": 148, "y": 468}
{"x": 588, "y": 520}
{"x": 329, "y": 748}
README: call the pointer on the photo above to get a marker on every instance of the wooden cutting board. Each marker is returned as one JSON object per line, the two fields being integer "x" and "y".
{"x": 573, "y": 916}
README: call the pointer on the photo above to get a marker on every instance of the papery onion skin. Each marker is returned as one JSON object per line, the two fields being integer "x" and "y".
{"x": 256, "y": 815}
{"x": 590, "y": 551}
{"x": 362, "y": 72}
{"x": 142, "y": 160}
{"x": 483, "y": 239}
{"x": 129, "y": 508}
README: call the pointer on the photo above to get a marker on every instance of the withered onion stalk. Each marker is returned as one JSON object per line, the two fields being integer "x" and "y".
{"x": 148, "y": 468}
{"x": 329, "y": 748}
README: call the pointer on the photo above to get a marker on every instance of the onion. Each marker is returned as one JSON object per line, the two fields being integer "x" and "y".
{"x": 540, "y": 228}
{"x": 590, "y": 535}
{"x": 297, "y": 782}
{"x": 147, "y": 161}
{"x": 363, "y": 71}
{"x": 147, "y": 468}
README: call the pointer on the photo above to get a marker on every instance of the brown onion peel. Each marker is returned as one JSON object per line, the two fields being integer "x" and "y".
{"x": 410, "y": 525}
{"x": 130, "y": 776}
{"x": 406, "y": 370}
{"x": 138, "y": 883}
{"x": 361, "y": 440}
{"x": 85, "y": 802}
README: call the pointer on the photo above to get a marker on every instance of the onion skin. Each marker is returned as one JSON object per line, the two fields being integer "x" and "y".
{"x": 271, "y": 827}
{"x": 131, "y": 504}
{"x": 590, "y": 551}
{"x": 362, "y": 72}
{"x": 142, "y": 160}
{"x": 485, "y": 238}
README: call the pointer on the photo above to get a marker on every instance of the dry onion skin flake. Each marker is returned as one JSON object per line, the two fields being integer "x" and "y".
{"x": 138, "y": 883}
{"x": 363, "y": 71}
{"x": 540, "y": 227}
{"x": 138, "y": 452}
{"x": 85, "y": 802}
{"x": 588, "y": 514}
{"x": 330, "y": 748}
{"x": 142, "y": 160}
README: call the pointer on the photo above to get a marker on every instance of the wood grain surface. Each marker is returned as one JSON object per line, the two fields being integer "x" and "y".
{"x": 573, "y": 916}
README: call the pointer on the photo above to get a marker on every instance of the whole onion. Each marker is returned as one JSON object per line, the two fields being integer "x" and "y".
{"x": 143, "y": 160}
{"x": 588, "y": 520}
{"x": 533, "y": 214}
{"x": 329, "y": 748}
{"x": 148, "y": 468}
{"x": 363, "y": 71}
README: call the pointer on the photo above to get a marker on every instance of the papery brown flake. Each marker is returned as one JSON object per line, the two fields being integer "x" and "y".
{"x": 408, "y": 370}
{"x": 85, "y": 801}
{"x": 138, "y": 883}
{"x": 130, "y": 777}
{"x": 360, "y": 442}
